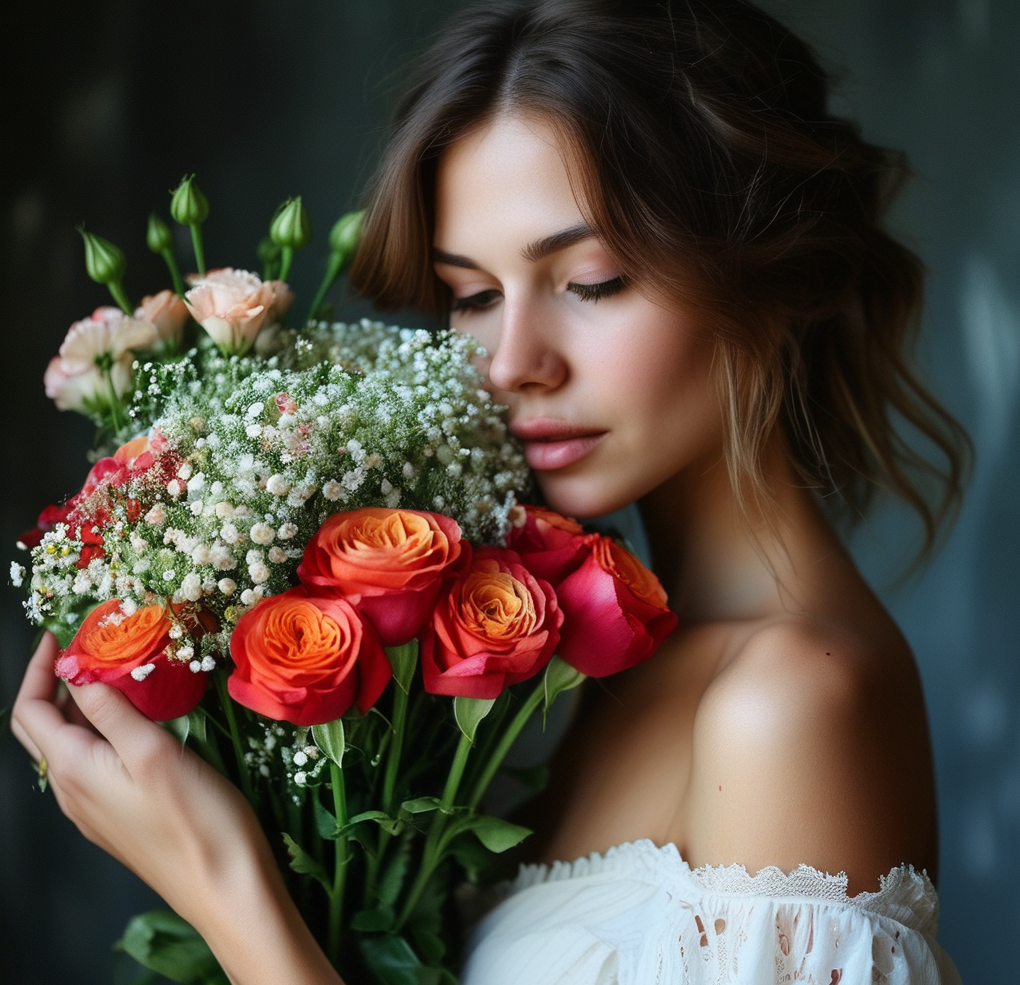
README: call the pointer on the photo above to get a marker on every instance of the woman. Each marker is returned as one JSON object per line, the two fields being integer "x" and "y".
{"x": 674, "y": 258}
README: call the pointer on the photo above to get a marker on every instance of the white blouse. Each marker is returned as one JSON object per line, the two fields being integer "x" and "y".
{"x": 640, "y": 915}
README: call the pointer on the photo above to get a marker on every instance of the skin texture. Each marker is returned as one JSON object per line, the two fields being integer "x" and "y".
{"x": 781, "y": 723}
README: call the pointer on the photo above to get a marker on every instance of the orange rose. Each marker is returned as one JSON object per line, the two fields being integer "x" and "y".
{"x": 129, "y": 652}
{"x": 497, "y": 626}
{"x": 391, "y": 564}
{"x": 305, "y": 658}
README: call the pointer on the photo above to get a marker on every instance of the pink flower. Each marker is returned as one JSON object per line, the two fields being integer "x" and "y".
{"x": 93, "y": 367}
{"x": 615, "y": 609}
{"x": 552, "y": 545}
{"x": 233, "y": 305}
{"x": 498, "y": 625}
{"x": 167, "y": 312}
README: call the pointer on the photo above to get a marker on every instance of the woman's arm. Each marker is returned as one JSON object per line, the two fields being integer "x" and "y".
{"x": 183, "y": 828}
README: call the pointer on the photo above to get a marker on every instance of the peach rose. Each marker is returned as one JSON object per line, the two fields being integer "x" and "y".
{"x": 615, "y": 609}
{"x": 104, "y": 343}
{"x": 232, "y": 306}
{"x": 129, "y": 652}
{"x": 389, "y": 563}
{"x": 306, "y": 658}
{"x": 167, "y": 312}
{"x": 498, "y": 625}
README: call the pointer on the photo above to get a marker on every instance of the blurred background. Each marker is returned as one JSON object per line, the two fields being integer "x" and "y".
{"x": 107, "y": 104}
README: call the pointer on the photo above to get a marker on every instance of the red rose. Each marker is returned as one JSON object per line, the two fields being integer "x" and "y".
{"x": 391, "y": 564}
{"x": 498, "y": 625}
{"x": 553, "y": 545}
{"x": 615, "y": 609}
{"x": 129, "y": 652}
{"x": 306, "y": 658}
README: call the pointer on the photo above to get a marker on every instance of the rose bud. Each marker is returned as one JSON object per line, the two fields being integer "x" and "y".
{"x": 306, "y": 658}
{"x": 130, "y": 652}
{"x": 389, "y": 563}
{"x": 498, "y": 625}
{"x": 188, "y": 205}
{"x": 616, "y": 612}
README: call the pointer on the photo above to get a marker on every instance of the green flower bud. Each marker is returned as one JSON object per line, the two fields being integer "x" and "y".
{"x": 158, "y": 237}
{"x": 188, "y": 205}
{"x": 346, "y": 231}
{"x": 291, "y": 226}
{"x": 104, "y": 262}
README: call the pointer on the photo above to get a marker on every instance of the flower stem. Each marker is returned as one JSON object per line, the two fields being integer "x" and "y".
{"x": 336, "y": 898}
{"x": 286, "y": 259}
{"x": 235, "y": 735}
{"x": 196, "y": 242}
{"x": 107, "y": 372}
{"x": 175, "y": 274}
{"x": 509, "y": 737}
{"x": 116, "y": 288}
{"x": 336, "y": 262}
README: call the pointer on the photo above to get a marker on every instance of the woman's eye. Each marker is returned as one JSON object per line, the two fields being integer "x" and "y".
{"x": 595, "y": 292}
{"x": 476, "y": 302}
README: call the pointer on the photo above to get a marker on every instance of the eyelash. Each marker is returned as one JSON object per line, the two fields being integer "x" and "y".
{"x": 585, "y": 292}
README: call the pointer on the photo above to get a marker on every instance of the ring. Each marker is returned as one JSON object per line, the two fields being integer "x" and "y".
{"x": 42, "y": 770}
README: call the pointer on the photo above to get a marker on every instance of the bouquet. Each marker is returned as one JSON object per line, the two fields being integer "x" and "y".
{"x": 306, "y": 551}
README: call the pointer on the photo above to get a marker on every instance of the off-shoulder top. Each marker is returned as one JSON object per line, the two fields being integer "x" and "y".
{"x": 640, "y": 915}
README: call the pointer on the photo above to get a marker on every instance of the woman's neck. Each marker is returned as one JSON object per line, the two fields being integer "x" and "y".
{"x": 715, "y": 564}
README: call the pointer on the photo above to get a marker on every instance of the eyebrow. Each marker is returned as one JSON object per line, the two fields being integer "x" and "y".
{"x": 533, "y": 252}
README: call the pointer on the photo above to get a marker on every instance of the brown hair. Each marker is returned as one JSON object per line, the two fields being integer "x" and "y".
{"x": 704, "y": 152}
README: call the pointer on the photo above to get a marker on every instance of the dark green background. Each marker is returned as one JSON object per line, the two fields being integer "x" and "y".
{"x": 106, "y": 104}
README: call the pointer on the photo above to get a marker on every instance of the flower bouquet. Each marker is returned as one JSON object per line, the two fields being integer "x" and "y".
{"x": 305, "y": 551}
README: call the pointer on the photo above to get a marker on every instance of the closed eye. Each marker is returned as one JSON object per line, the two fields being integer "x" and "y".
{"x": 595, "y": 292}
{"x": 476, "y": 302}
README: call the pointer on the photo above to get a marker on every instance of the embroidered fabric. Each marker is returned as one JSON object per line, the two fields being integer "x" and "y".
{"x": 640, "y": 915}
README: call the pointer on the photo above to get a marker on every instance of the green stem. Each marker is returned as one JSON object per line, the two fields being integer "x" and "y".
{"x": 336, "y": 265}
{"x": 336, "y": 898}
{"x": 235, "y": 735}
{"x": 286, "y": 259}
{"x": 175, "y": 274}
{"x": 196, "y": 242}
{"x": 118, "y": 423}
{"x": 396, "y": 745}
{"x": 116, "y": 288}
{"x": 509, "y": 737}
{"x": 456, "y": 772}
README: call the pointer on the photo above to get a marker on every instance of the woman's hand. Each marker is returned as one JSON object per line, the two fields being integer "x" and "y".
{"x": 184, "y": 829}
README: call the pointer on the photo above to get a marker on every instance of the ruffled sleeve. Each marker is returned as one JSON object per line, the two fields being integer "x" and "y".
{"x": 641, "y": 916}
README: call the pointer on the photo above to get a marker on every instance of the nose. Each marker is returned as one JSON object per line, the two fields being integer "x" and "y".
{"x": 528, "y": 353}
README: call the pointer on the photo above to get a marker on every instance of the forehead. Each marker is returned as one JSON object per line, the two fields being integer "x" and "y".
{"x": 511, "y": 175}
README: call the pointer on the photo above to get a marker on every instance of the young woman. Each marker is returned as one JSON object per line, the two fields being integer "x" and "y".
{"x": 674, "y": 257}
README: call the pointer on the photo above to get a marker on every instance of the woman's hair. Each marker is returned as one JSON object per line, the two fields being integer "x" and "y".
{"x": 701, "y": 149}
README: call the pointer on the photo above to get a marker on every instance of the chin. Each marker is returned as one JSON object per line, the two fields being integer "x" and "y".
{"x": 582, "y": 500}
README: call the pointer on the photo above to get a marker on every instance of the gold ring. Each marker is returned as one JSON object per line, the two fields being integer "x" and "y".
{"x": 43, "y": 771}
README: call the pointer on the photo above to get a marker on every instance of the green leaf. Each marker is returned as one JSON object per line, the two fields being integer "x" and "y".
{"x": 404, "y": 660}
{"x": 381, "y": 918}
{"x": 325, "y": 819}
{"x": 163, "y": 942}
{"x": 303, "y": 863}
{"x": 191, "y": 724}
{"x": 330, "y": 739}
{"x": 392, "y": 879}
{"x": 472, "y": 855}
{"x": 469, "y": 712}
{"x": 496, "y": 834}
{"x": 430, "y": 946}
{"x": 419, "y": 805}
{"x": 393, "y": 962}
{"x": 560, "y": 677}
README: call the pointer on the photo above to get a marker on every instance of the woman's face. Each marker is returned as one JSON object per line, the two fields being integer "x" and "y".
{"x": 611, "y": 393}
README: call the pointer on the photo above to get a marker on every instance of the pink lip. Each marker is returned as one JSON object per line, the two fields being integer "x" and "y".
{"x": 552, "y": 444}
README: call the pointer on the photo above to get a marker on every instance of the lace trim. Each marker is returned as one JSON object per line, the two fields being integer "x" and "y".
{"x": 904, "y": 893}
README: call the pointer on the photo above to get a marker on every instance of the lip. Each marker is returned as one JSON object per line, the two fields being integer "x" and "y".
{"x": 551, "y": 444}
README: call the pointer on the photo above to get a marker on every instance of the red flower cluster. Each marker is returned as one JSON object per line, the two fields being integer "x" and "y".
{"x": 370, "y": 578}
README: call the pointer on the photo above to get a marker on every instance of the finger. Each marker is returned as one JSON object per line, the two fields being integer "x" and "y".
{"x": 127, "y": 730}
{"x": 34, "y": 715}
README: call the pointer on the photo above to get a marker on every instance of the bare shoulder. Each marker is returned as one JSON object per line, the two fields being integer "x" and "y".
{"x": 811, "y": 746}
